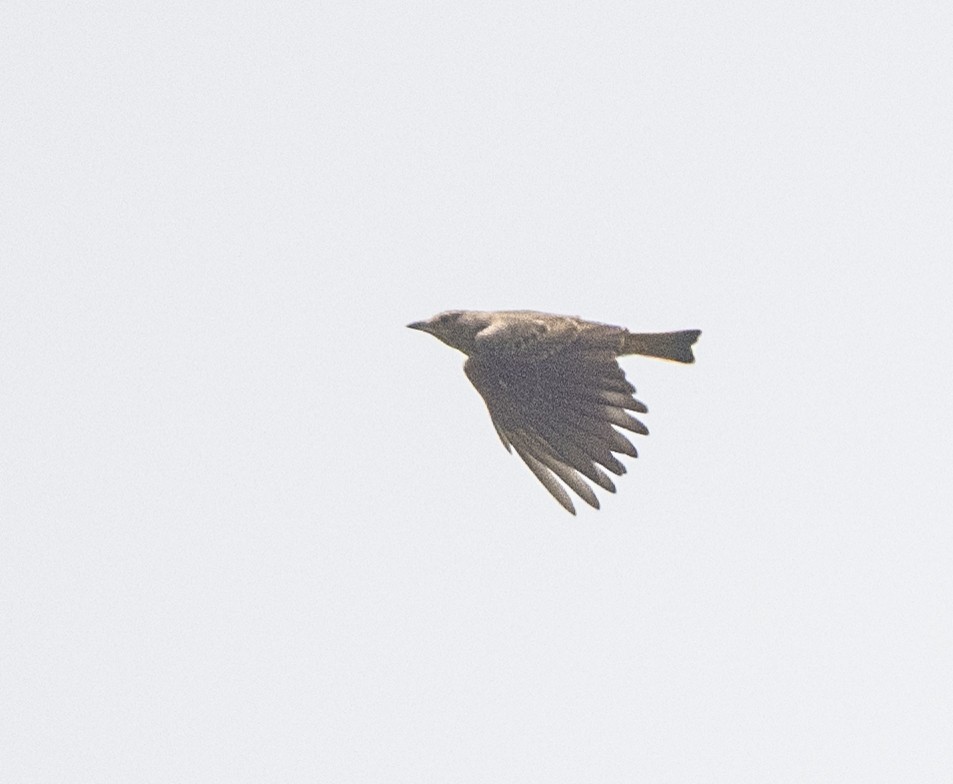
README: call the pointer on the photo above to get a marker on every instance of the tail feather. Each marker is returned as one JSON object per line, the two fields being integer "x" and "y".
{"x": 676, "y": 346}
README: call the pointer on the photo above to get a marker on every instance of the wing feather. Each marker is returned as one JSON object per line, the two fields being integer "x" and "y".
{"x": 546, "y": 478}
{"x": 573, "y": 455}
{"x": 526, "y": 444}
{"x": 560, "y": 411}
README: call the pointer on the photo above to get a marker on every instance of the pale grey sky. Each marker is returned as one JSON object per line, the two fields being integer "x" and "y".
{"x": 253, "y": 529}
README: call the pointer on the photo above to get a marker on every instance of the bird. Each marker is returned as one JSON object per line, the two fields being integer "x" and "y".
{"x": 554, "y": 389}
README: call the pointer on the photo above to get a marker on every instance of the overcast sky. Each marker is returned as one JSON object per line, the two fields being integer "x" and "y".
{"x": 252, "y": 529}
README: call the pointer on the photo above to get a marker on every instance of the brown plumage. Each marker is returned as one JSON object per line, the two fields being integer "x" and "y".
{"x": 554, "y": 389}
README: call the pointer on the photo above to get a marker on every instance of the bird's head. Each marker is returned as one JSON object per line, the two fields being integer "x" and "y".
{"x": 456, "y": 328}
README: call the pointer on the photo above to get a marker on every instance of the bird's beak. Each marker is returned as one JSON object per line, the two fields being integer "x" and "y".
{"x": 423, "y": 326}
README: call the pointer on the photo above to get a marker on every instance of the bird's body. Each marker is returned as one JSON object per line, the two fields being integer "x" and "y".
{"x": 554, "y": 389}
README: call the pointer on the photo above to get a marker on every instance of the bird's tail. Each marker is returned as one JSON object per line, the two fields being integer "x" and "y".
{"x": 666, "y": 345}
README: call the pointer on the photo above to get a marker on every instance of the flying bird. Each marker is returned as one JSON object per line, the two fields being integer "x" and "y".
{"x": 554, "y": 389}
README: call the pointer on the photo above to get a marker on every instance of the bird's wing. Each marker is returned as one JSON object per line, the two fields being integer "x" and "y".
{"x": 558, "y": 412}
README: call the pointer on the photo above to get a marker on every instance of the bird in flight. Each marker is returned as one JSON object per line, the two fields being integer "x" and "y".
{"x": 554, "y": 389}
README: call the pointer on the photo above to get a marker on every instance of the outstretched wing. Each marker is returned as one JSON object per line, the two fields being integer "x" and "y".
{"x": 560, "y": 412}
